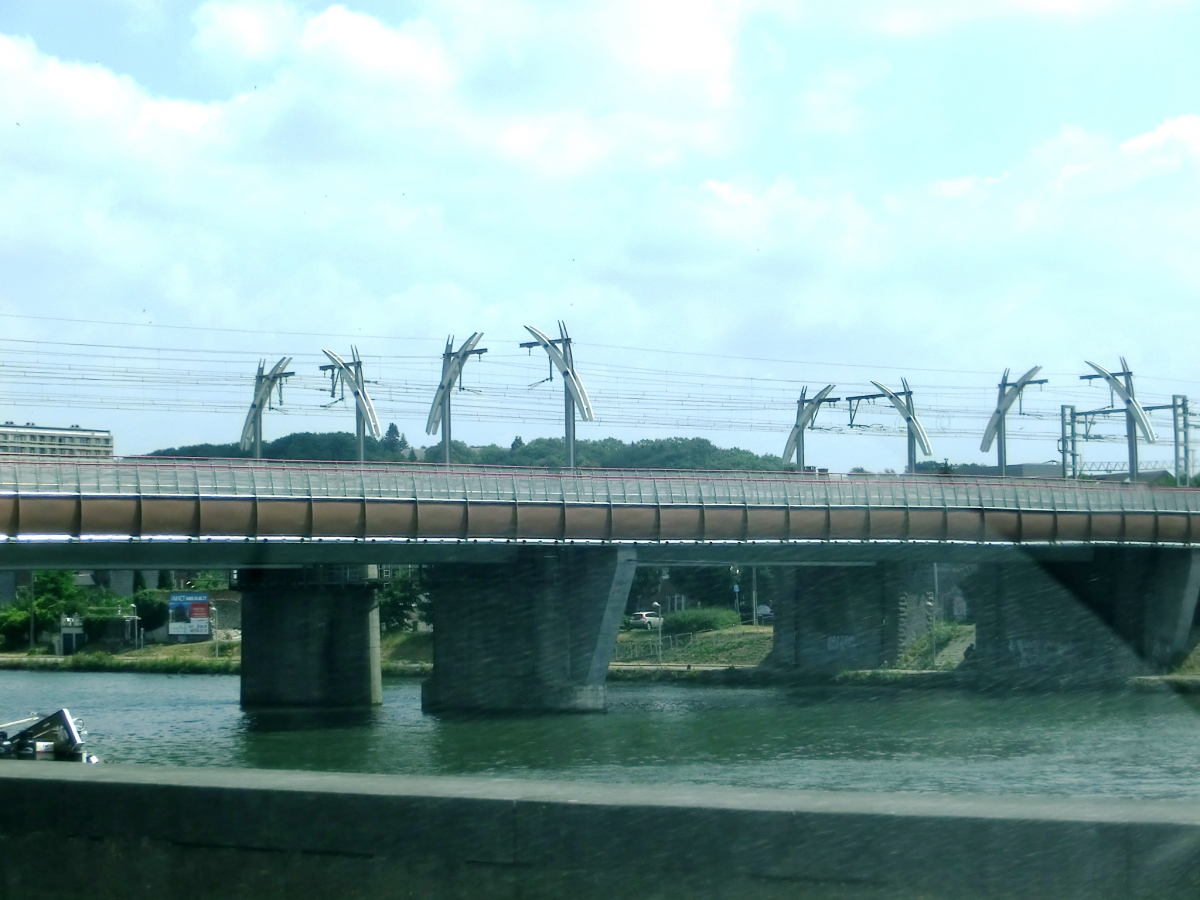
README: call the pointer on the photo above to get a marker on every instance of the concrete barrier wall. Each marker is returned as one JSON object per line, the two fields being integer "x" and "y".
{"x": 117, "y": 831}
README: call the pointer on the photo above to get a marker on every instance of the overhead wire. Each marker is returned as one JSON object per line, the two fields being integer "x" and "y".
{"x": 118, "y": 376}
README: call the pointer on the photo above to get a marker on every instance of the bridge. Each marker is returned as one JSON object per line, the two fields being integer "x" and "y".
{"x": 249, "y": 512}
{"x": 1070, "y": 576}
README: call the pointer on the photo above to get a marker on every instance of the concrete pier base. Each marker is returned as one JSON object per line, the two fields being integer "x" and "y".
{"x": 533, "y": 636}
{"x": 1100, "y": 621}
{"x": 309, "y": 646}
{"x": 1094, "y": 618}
{"x": 1031, "y": 631}
{"x": 1145, "y": 595}
{"x": 829, "y": 618}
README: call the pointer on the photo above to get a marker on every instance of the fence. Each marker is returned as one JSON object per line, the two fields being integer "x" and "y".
{"x": 705, "y": 644}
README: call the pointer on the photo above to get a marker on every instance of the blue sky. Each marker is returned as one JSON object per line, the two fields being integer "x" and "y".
{"x": 779, "y": 194}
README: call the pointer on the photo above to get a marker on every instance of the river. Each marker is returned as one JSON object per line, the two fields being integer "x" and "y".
{"x": 1132, "y": 745}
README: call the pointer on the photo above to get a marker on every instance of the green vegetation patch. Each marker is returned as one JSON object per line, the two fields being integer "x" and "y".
{"x": 689, "y": 621}
{"x": 107, "y": 662}
{"x": 1190, "y": 664}
{"x": 742, "y": 646}
{"x": 407, "y": 647}
{"x": 917, "y": 655}
{"x": 608, "y": 453}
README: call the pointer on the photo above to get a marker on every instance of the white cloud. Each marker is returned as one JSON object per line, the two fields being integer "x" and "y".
{"x": 831, "y": 104}
{"x": 967, "y": 187}
{"x": 349, "y": 42}
{"x": 627, "y": 168}
{"x": 682, "y": 45}
{"x": 1168, "y": 142}
{"x": 919, "y": 17}
{"x": 554, "y": 144}
{"x": 257, "y": 31}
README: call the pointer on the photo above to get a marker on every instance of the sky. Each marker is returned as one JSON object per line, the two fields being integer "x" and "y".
{"x": 724, "y": 201}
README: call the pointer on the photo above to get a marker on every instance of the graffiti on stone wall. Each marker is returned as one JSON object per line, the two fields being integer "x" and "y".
{"x": 843, "y": 644}
{"x": 1039, "y": 653}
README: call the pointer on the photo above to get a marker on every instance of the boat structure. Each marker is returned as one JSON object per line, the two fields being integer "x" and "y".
{"x": 58, "y": 736}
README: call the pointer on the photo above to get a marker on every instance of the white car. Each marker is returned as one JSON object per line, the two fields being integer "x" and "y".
{"x": 647, "y": 620}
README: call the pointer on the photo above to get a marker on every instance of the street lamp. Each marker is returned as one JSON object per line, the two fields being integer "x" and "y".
{"x": 754, "y": 596}
{"x": 656, "y": 605}
{"x": 32, "y": 609}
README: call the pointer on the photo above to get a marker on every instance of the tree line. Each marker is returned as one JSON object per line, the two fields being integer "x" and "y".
{"x": 608, "y": 453}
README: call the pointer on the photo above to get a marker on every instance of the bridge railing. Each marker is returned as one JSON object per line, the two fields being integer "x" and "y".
{"x": 252, "y": 478}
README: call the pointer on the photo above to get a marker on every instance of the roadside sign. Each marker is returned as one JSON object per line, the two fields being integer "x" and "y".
{"x": 188, "y": 613}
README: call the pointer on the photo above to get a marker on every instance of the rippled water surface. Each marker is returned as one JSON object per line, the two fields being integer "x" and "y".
{"x": 1137, "y": 745}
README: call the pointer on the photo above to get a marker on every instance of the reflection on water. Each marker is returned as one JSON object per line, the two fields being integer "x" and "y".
{"x": 1144, "y": 745}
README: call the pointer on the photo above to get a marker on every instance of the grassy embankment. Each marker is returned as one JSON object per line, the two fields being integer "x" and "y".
{"x": 741, "y": 645}
{"x": 1184, "y": 678}
{"x": 684, "y": 657}
{"x": 700, "y": 658}
{"x": 166, "y": 659}
{"x": 401, "y": 654}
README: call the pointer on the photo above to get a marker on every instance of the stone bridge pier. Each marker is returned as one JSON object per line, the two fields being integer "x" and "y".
{"x": 535, "y": 635}
{"x": 1124, "y": 611}
{"x": 1097, "y": 616}
{"x": 830, "y": 617}
{"x": 307, "y": 643}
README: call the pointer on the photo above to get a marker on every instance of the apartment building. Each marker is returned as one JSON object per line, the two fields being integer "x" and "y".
{"x": 36, "y": 440}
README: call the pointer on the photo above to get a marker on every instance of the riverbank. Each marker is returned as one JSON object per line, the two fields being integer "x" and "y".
{"x": 677, "y": 673}
{"x": 729, "y": 657}
{"x": 402, "y": 654}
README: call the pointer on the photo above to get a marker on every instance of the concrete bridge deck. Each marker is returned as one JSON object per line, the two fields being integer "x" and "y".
{"x": 334, "y": 509}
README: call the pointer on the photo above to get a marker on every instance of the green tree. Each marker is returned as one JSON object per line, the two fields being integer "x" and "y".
{"x": 392, "y": 440}
{"x": 399, "y": 600}
{"x": 51, "y": 595}
{"x": 460, "y": 454}
{"x": 709, "y": 585}
{"x": 151, "y": 608}
{"x": 208, "y": 580}
{"x": 646, "y": 583}
{"x": 607, "y": 453}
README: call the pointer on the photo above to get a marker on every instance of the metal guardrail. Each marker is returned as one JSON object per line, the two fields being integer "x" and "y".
{"x": 145, "y": 477}
{"x": 647, "y": 648}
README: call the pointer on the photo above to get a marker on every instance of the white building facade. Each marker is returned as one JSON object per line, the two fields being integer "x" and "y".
{"x": 36, "y": 440}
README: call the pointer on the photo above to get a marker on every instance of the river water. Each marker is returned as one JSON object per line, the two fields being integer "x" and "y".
{"x": 1132, "y": 745}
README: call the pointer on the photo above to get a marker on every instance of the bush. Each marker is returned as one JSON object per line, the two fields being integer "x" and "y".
{"x": 399, "y": 601}
{"x": 14, "y": 626}
{"x": 707, "y": 619}
{"x": 151, "y": 608}
{"x": 917, "y": 656}
{"x": 98, "y": 626}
